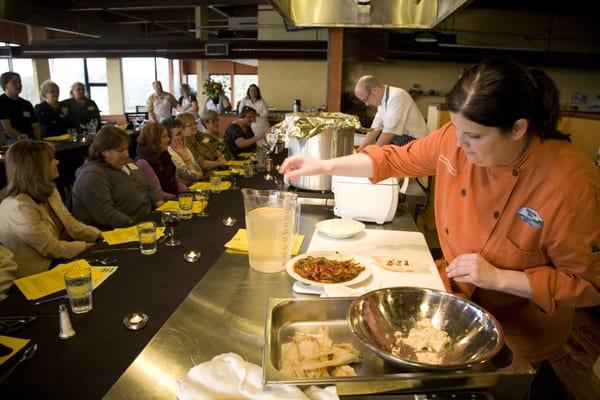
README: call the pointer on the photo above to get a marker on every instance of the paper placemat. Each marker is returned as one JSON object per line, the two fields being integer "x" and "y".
{"x": 207, "y": 186}
{"x": 239, "y": 242}
{"x": 48, "y": 282}
{"x": 60, "y": 138}
{"x": 15, "y": 344}
{"x": 238, "y": 163}
{"x": 171, "y": 205}
{"x": 246, "y": 155}
{"x": 367, "y": 243}
{"x": 222, "y": 173}
{"x": 126, "y": 235}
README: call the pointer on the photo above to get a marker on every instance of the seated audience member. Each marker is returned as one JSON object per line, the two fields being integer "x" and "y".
{"x": 79, "y": 108}
{"x": 185, "y": 163}
{"x": 110, "y": 191}
{"x": 17, "y": 117}
{"x": 210, "y": 145}
{"x": 155, "y": 162}
{"x": 34, "y": 223}
{"x": 8, "y": 271}
{"x": 50, "y": 114}
{"x": 239, "y": 136}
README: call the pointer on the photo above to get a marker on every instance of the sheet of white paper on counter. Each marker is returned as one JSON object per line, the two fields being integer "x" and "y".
{"x": 368, "y": 241}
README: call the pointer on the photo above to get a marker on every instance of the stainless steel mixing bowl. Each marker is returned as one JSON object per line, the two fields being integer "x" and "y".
{"x": 475, "y": 334}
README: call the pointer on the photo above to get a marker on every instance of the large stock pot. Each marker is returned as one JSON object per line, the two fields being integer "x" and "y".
{"x": 330, "y": 143}
{"x": 319, "y": 135}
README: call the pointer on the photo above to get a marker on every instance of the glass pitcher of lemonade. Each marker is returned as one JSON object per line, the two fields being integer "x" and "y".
{"x": 272, "y": 219}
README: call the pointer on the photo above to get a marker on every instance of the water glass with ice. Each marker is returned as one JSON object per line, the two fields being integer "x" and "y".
{"x": 147, "y": 235}
{"x": 78, "y": 282}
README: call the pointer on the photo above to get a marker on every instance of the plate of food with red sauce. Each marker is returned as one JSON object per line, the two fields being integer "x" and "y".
{"x": 328, "y": 268}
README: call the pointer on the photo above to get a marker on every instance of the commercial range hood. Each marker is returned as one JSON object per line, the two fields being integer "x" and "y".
{"x": 384, "y": 14}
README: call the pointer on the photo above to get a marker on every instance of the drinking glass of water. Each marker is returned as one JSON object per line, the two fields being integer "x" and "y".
{"x": 202, "y": 196}
{"x": 186, "y": 201}
{"x": 147, "y": 235}
{"x": 78, "y": 282}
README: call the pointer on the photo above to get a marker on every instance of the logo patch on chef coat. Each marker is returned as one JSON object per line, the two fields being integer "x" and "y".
{"x": 530, "y": 217}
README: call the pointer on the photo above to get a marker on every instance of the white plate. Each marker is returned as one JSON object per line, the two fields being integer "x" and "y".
{"x": 332, "y": 255}
{"x": 340, "y": 228}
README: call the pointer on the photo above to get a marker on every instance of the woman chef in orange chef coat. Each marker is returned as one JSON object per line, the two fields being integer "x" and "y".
{"x": 517, "y": 207}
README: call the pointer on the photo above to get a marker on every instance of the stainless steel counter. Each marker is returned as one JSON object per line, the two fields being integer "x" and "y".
{"x": 225, "y": 312}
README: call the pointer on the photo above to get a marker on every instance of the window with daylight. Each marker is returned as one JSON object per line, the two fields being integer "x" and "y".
{"x": 24, "y": 67}
{"x": 192, "y": 80}
{"x": 240, "y": 86}
{"x": 138, "y": 75}
{"x": 89, "y": 71}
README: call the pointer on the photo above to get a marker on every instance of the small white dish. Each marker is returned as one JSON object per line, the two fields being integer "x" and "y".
{"x": 332, "y": 255}
{"x": 340, "y": 228}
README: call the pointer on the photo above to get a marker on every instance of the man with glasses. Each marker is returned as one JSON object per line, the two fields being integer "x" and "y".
{"x": 398, "y": 119}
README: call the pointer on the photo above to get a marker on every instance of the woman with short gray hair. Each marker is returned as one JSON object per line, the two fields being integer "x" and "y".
{"x": 51, "y": 115}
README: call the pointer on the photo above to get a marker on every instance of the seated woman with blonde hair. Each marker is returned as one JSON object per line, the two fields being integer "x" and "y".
{"x": 155, "y": 162}
{"x": 34, "y": 223}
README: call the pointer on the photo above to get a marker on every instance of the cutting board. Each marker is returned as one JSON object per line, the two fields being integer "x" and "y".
{"x": 373, "y": 241}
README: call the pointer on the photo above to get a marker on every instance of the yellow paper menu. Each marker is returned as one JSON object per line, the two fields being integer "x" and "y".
{"x": 15, "y": 344}
{"x": 197, "y": 207}
{"x": 239, "y": 242}
{"x": 207, "y": 186}
{"x": 238, "y": 163}
{"x": 126, "y": 235}
{"x": 52, "y": 281}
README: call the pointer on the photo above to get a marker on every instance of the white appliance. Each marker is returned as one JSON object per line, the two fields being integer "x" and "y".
{"x": 358, "y": 198}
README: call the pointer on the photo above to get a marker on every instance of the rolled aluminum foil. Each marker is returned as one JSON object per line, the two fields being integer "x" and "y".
{"x": 307, "y": 125}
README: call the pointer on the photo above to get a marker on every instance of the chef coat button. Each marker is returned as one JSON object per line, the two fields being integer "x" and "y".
{"x": 446, "y": 230}
{"x": 515, "y": 172}
{"x": 463, "y": 192}
{"x": 496, "y": 215}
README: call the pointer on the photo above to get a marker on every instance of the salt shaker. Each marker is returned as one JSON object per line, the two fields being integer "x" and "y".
{"x": 66, "y": 329}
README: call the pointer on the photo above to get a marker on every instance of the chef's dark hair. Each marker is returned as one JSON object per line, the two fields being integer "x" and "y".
{"x": 499, "y": 91}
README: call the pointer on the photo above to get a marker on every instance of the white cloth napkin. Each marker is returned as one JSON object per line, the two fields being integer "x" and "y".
{"x": 228, "y": 376}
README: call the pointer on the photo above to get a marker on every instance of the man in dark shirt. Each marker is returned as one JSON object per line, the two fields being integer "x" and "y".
{"x": 16, "y": 114}
{"x": 239, "y": 136}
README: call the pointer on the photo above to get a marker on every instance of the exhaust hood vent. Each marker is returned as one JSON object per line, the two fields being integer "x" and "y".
{"x": 384, "y": 14}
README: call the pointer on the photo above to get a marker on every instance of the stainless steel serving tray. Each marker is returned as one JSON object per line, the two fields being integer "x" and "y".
{"x": 286, "y": 316}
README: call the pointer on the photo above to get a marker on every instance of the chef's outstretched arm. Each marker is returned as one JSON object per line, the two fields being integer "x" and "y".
{"x": 300, "y": 165}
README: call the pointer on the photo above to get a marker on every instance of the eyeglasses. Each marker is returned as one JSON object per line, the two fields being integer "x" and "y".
{"x": 366, "y": 101}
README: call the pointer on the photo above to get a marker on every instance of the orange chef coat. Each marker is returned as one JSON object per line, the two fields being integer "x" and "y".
{"x": 540, "y": 216}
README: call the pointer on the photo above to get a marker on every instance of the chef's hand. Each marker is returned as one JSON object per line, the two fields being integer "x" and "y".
{"x": 473, "y": 268}
{"x": 300, "y": 165}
